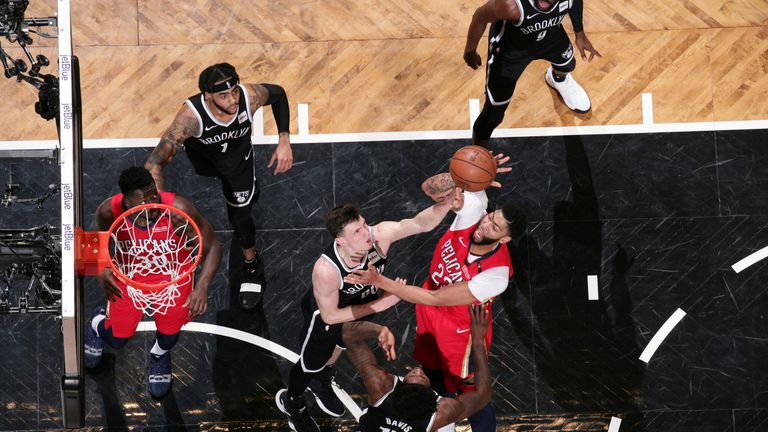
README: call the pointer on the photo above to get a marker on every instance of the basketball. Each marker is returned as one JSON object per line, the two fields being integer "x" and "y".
{"x": 473, "y": 168}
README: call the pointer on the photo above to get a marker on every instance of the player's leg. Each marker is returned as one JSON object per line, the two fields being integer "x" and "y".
{"x": 241, "y": 192}
{"x": 426, "y": 351}
{"x": 503, "y": 71}
{"x": 318, "y": 347}
{"x": 113, "y": 325}
{"x": 560, "y": 54}
{"x": 159, "y": 372}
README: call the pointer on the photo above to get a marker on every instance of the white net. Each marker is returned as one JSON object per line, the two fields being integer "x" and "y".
{"x": 154, "y": 250}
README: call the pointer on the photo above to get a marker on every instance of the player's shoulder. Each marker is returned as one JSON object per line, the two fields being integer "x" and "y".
{"x": 507, "y": 9}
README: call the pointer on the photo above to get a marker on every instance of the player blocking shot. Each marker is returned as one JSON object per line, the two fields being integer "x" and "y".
{"x": 213, "y": 128}
{"x": 154, "y": 250}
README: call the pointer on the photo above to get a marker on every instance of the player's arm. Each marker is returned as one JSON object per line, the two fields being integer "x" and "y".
{"x": 482, "y": 287}
{"x": 103, "y": 221}
{"x": 275, "y": 96}
{"x": 454, "y": 410}
{"x": 388, "y": 232}
{"x": 325, "y": 285}
{"x": 185, "y": 125}
{"x": 490, "y": 12}
{"x": 576, "y": 13}
{"x": 209, "y": 262}
{"x": 356, "y": 334}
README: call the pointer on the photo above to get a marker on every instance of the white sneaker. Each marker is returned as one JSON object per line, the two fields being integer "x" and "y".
{"x": 572, "y": 93}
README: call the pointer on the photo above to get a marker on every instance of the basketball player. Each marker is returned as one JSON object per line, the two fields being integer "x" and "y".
{"x": 214, "y": 127}
{"x": 470, "y": 265}
{"x": 116, "y": 324}
{"x": 523, "y": 31}
{"x": 408, "y": 403}
{"x": 355, "y": 245}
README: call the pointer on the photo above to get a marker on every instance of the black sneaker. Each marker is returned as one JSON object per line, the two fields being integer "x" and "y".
{"x": 252, "y": 284}
{"x": 159, "y": 376}
{"x": 322, "y": 389}
{"x": 94, "y": 345}
{"x": 298, "y": 417}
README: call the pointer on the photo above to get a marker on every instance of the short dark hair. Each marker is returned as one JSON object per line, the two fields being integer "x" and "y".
{"x": 339, "y": 217}
{"x": 516, "y": 219}
{"x": 414, "y": 402}
{"x": 216, "y": 73}
{"x": 134, "y": 178}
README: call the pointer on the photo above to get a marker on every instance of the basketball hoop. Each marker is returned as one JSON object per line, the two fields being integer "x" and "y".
{"x": 152, "y": 249}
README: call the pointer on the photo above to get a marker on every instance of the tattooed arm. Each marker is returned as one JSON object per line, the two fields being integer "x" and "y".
{"x": 184, "y": 126}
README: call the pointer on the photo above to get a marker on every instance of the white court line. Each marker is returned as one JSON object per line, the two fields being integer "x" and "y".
{"x": 257, "y": 125}
{"x": 659, "y": 337}
{"x": 647, "y": 99}
{"x": 303, "y": 119}
{"x": 260, "y": 342}
{"x": 751, "y": 259}
{"x": 474, "y": 111}
{"x": 592, "y": 293}
{"x": 615, "y": 424}
{"x": 425, "y": 135}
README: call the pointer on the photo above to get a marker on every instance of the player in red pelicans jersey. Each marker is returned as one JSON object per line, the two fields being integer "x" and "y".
{"x": 117, "y": 323}
{"x": 470, "y": 265}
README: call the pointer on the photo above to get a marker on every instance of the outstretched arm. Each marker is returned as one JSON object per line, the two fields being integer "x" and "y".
{"x": 454, "y": 410}
{"x": 274, "y": 95}
{"x": 386, "y": 233}
{"x": 451, "y": 295}
{"x": 356, "y": 334}
{"x": 325, "y": 285}
{"x": 185, "y": 125}
{"x": 198, "y": 299}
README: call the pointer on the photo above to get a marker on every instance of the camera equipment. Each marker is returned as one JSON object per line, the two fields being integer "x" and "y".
{"x": 16, "y": 29}
{"x": 30, "y": 270}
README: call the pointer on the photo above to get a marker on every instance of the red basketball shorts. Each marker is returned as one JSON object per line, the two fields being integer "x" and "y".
{"x": 123, "y": 317}
{"x": 443, "y": 342}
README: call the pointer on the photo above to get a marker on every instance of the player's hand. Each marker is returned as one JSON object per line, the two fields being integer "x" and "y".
{"x": 473, "y": 59}
{"x": 107, "y": 283}
{"x": 387, "y": 343}
{"x": 453, "y": 198}
{"x": 585, "y": 46}
{"x": 369, "y": 276}
{"x": 479, "y": 325}
{"x": 283, "y": 155}
{"x": 500, "y": 161}
{"x": 197, "y": 301}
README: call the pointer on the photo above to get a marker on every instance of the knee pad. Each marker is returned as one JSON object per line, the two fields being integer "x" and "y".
{"x": 568, "y": 67}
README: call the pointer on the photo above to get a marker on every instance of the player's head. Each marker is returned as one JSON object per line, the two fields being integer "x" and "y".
{"x": 348, "y": 227}
{"x": 502, "y": 225}
{"x": 543, "y": 6}
{"x": 138, "y": 187}
{"x": 219, "y": 84}
{"x": 415, "y": 400}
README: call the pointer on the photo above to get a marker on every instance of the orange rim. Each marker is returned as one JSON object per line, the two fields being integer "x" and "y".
{"x": 157, "y": 286}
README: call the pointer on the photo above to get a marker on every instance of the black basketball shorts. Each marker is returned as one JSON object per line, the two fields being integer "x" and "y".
{"x": 320, "y": 341}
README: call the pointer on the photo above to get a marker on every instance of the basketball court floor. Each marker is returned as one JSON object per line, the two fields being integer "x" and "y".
{"x": 638, "y": 301}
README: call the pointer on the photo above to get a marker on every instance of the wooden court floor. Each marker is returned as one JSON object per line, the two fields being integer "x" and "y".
{"x": 395, "y": 65}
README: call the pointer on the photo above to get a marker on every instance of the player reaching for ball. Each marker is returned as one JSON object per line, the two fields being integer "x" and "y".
{"x": 470, "y": 265}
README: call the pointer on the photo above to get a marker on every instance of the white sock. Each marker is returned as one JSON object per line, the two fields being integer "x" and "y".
{"x": 95, "y": 322}
{"x": 156, "y": 350}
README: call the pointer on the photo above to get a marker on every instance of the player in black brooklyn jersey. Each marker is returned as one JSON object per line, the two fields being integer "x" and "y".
{"x": 214, "y": 129}
{"x": 523, "y": 31}
{"x": 356, "y": 245}
{"x": 408, "y": 403}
